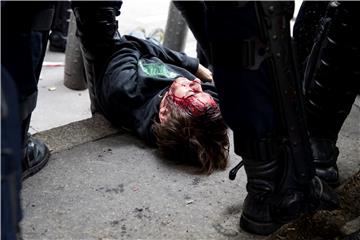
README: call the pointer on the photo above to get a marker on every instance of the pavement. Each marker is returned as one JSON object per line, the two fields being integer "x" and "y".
{"x": 104, "y": 183}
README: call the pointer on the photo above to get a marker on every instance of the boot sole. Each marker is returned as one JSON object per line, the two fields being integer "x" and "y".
{"x": 33, "y": 170}
{"x": 259, "y": 228}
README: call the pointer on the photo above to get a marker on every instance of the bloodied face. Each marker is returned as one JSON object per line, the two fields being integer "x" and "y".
{"x": 188, "y": 95}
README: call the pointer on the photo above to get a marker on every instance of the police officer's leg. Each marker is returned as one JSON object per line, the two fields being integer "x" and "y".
{"x": 331, "y": 83}
{"x": 60, "y": 26}
{"x": 23, "y": 46}
{"x": 10, "y": 158}
{"x": 305, "y": 29}
{"x": 254, "y": 73}
{"x": 97, "y": 29}
{"x": 194, "y": 13}
{"x": 201, "y": 55}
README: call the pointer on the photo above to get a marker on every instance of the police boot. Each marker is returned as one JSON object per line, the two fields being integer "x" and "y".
{"x": 325, "y": 154}
{"x": 97, "y": 29}
{"x": 275, "y": 196}
{"x": 262, "y": 170}
{"x": 331, "y": 84}
{"x": 59, "y": 29}
{"x": 36, "y": 156}
{"x": 35, "y": 153}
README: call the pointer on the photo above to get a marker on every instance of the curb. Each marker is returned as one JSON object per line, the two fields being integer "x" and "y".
{"x": 77, "y": 133}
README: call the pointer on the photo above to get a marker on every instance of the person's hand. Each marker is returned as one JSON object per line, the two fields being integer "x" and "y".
{"x": 204, "y": 74}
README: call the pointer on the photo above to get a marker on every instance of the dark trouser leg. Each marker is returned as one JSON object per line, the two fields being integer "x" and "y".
{"x": 331, "y": 83}
{"x": 97, "y": 29}
{"x": 201, "y": 55}
{"x": 10, "y": 158}
{"x": 23, "y": 49}
{"x": 59, "y": 28}
{"x": 194, "y": 13}
{"x": 254, "y": 73}
{"x": 23, "y": 53}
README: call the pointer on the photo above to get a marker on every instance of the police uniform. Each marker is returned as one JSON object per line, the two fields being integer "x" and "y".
{"x": 24, "y": 35}
{"x": 256, "y": 78}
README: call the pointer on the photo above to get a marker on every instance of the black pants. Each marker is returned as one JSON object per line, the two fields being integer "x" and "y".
{"x": 194, "y": 13}
{"x": 25, "y": 31}
{"x": 11, "y": 213}
{"x": 245, "y": 96}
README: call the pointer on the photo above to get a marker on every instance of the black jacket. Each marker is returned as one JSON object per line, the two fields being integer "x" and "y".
{"x": 135, "y": 81}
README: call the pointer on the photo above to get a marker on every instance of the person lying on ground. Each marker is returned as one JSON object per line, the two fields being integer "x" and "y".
{"x": 168, "y": 99}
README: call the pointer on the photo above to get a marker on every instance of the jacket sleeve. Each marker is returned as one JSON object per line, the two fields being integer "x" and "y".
{"x": 119, "y": 87}
{"x": 147, "y": 48}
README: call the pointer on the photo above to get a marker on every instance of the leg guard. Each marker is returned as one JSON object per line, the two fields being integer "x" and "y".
{"x": 97, "y": 29}
{"x": 299, "y": 191}
{"x": 331, "y": 83}
{"x": 305, "y": 29}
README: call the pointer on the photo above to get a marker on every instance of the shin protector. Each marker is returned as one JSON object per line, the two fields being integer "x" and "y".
{"x": 331, "y": 83}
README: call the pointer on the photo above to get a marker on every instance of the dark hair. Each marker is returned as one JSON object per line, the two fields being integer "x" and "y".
{"x": 200, "y": 140}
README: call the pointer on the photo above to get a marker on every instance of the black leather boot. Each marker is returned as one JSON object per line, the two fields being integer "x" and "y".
{"x": 275, "y": 197}
{"x": 36, "y": 156}
{"x": 97, "y": 30}
{"x": 262, "y": 179}
{"x": 325, "y": 154}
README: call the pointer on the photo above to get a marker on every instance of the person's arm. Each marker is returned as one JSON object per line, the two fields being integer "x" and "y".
{"x": 120, "y": 81}
{"x": 172, "y": 57}
{"x": 204, "y": 74}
